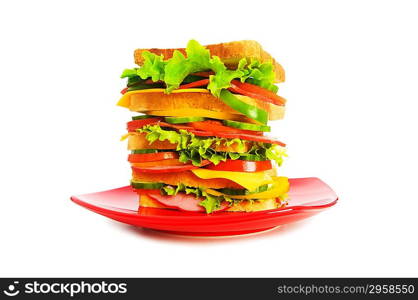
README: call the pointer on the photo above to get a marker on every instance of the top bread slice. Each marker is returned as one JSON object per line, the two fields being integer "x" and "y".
{"x": 230, "y": 53}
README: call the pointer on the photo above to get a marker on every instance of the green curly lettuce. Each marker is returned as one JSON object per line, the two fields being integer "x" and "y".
{"x": 173, "y": 71}
{"x": 209, "y": 202}
{"x": 196, "y": 149}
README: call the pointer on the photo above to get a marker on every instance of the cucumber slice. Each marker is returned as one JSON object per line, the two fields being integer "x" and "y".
{"x": 143, "y": 86}
{"x": 239, "y": 192}
{"x": 246, "y": 126}
{"x": 191, "y": 78}
{"x": 141, "y": 117}
{"x": 135, "y": 80}
{"x": 252, "y": 157}
{"x": 144, "y": 151}
{"x": 147, "y": 185}
{"x": 178, "y": 120}
{"x": 252, "y": 112}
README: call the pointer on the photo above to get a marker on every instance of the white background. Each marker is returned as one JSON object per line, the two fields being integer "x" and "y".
{"x": 352, "y": 107}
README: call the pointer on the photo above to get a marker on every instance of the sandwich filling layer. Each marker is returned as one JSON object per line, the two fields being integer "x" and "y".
{"x": 200, "y": 141}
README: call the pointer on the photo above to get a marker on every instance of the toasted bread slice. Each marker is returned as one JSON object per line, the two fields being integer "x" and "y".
{"x": 201, "y": 101}
{"x": 247, "y": 206}
{"x": 138, "y": 141}
{"x": 230, "y": 53}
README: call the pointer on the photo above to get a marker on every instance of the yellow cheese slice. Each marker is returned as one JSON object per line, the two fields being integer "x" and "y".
{"x": 248, "y": 180}
{"x": 280, "y": 188}
{"x": 124, "y": 101}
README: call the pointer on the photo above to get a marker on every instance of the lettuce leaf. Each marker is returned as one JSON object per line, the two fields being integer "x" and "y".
{"x": 195, "y": 149}
{"x": 209, "y": 202}
{"x": 174, "y": 70}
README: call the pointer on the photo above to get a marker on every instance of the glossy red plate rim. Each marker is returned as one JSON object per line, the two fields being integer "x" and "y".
{"x": 307, "y": 196}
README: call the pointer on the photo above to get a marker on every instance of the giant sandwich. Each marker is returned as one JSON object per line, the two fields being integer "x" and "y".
{"x": 199, "y": 141}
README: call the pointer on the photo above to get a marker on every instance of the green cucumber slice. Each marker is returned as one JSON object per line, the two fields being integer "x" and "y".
{"x": 248, "y": 110}
{"x": 141, "y": 117}
{"x": 147, "y": 185}
{"x": 143, "y": 151}
{"x": 239, "y": 192}
{"x": 252, "y": 157}
{"x": 134, "y": 80}
{"x": 246, "y": 126}
{"x": 143, "y": 86}
{"x": 178, "y": 120}
{"x": 191, "y": 78}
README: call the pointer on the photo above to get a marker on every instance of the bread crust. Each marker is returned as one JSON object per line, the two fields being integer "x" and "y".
{"x": 230, "y": 53}
{"x": 249, "y": 206}
{"x": 159, "y": 101}
{"x": 143, "y": 102}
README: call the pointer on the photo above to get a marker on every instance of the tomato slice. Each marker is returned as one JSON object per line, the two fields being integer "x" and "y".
{"x": 159, "y": 163}
{"x": 183, "y": 202}
{"x": 228, "y": 135}
{"x": 256, "y": 92}
{"x": 248, "y": 137}
{"x": 124, "y": 91}
{"x": 175, "y": 126}
{"x": 217, "y": 126}
{"x": 149, "y": 81}
{"x": 168, "y": 169}
{"x": 204, "y": 74}
{"x": 194, "y": 84}
{"x": 147, "y": 157}
{"x": 135, "y": 124}
{"x": 242, "y": 166}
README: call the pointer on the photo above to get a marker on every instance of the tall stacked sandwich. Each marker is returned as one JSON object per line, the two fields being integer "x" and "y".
{"x": 199, "y": 143}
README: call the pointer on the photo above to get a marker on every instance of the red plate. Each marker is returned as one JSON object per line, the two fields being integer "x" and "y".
{"x": 307, "y": 196}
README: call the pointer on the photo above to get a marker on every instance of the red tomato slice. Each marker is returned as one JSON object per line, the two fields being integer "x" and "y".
{"x": 209, "y": 125}
{"x": 183, "y": 201}
{"x": 149, "y": 81}
{"x": 175, "y": 126}
{"x": 124, "y": 91}
{"x": 216, "y": 126}
{"x": 242, "y": 166}
{"x": 159, "y": 163}
{"x": 256, "y": 92}
{"x": 248, "y": 137}
{"x": 146, "y": 157}
{"x": 166, "y": 169}
{"x": 135, "y": 124}
{"x": 194, "y": 84}
{"x": 227, "y": 135}
{"x": 204, "y": 74}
